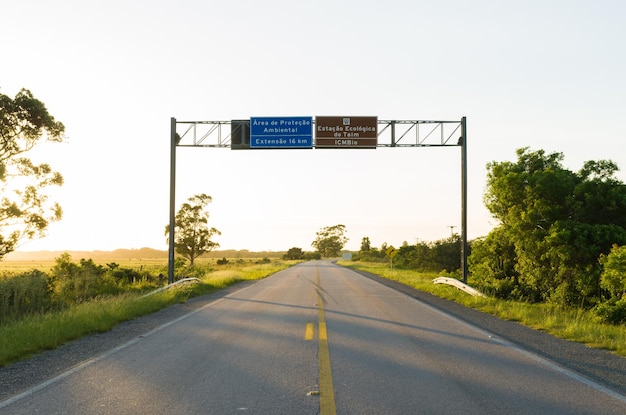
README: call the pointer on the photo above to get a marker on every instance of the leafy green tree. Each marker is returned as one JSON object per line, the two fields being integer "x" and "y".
{"x": 366, "y": 245}
{"x": 330, "y": 240}
{"x": 446, "y": 254}
{"x": 441, "y": 255}
{"x": 367, "y": 252}
{"x": 572, "y": 252}
{"x": 493, "y": 261}
{"x": 554, "y": 224}
{"x": 25, "y": 211}
{"x": 294, "y": 254}
{"x": 599, "y": 197}
{"x": 192, "y": 233}
{"x": 407, "y": 257}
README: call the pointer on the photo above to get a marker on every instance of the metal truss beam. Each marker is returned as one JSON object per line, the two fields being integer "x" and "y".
{"x": 391, "y": 133}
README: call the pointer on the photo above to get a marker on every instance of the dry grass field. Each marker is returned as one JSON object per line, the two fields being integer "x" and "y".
{"x": 142, "y": 259}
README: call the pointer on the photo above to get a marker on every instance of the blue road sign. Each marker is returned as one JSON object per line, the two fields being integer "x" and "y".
{"x": 281, "y": 132}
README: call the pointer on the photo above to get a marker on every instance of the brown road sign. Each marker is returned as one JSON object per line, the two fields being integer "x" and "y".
{"x": 346, "y": 132}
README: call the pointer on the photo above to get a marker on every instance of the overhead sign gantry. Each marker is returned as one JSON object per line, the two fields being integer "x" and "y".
{"x": 323, "y": 132}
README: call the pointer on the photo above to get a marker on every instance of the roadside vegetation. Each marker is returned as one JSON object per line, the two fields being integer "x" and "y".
{"x": 569, "y": 323}
{"x": 42, "y": 310}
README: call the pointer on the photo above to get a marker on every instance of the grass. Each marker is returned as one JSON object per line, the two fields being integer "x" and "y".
{"x": 28, "y": 336}
{"x": 572, "y": 324}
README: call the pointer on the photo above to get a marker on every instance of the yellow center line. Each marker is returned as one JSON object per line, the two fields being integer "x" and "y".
{"x": 309, "y": 331}
{"x": 327, "y": 391}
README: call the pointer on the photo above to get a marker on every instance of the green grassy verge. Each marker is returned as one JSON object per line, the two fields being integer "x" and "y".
{"x": 33, "y": 334}
{"x": 571, "y": 324}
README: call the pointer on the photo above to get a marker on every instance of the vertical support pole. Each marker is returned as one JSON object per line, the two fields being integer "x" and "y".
{"x": 170, "y": 257}
{"x": 464, "y": 246}
{"x": 393, "y": 133}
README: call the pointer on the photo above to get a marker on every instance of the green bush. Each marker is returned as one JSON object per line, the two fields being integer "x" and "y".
{"x": 123, "y": 275}
{"x": 311, "y": 256}
{"x": 74, "y": 283}
{"x": 613, "y": 276}
{"x": 612, "y": 311}
{"x": 131, "y": 279}
{"x": 294, "y": 253}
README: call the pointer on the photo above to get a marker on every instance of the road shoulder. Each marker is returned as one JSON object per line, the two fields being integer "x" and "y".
{"x": 23, "y": 375}
{"x": 600, "y": 366}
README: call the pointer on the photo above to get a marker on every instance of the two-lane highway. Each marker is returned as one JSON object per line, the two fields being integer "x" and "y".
{"x": 316, "y": 338}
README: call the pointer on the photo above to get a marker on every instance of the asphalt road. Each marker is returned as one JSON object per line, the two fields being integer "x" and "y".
{"x": 314, "y": 339}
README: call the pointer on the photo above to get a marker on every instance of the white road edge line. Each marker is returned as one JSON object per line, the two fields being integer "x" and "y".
{"x": 539, "y": 359}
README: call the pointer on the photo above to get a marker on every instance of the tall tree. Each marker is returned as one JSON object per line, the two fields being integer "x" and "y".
{"x": 330, "y": 240}
{"x": 365, "y": 245}
{"x": 554, "y": 225}
{"x": 25, "y": 211}
{"x": 192, "y": 235}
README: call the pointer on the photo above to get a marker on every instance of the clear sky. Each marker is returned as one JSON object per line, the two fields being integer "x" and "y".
{"x": 544, "y": 74}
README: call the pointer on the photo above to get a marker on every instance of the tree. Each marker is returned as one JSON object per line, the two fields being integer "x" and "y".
{"x": 294, "y": 253}
{"x": 441, "y": 255}
{"x": 365, "y": 245}
{"x": 330, "y": 240}
{"x": 493, "y": 261}
{"x": 192, "y": 235}
{"x": 369, "y": 253}
{"x": 554, "y": 225}
{"x": 25, "y": 211}
{"x": 446, "y": 254}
